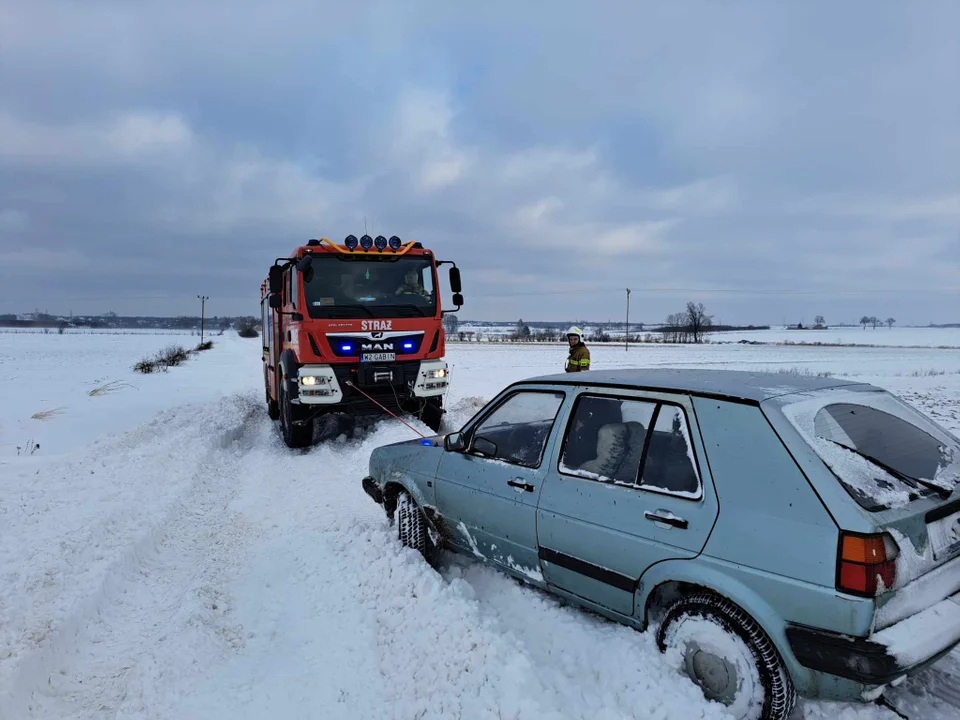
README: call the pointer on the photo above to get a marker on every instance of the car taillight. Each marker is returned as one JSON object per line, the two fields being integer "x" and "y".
{"x": 867, "y": 564}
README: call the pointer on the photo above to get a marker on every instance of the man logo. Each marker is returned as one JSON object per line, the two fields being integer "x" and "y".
{"x": 377, "y": 347}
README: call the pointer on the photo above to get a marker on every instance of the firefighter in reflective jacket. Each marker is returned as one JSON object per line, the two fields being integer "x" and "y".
{"x": 579, "y": 358}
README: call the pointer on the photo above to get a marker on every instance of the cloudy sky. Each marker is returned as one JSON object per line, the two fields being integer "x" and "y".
{"x": 772, "y": 160}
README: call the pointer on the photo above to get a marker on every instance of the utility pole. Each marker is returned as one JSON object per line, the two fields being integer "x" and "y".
{"x": 626, "y": 337}
{"x": 203, "y": 302}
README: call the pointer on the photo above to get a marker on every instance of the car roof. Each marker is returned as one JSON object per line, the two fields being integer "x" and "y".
{"x": 750, "y": 386}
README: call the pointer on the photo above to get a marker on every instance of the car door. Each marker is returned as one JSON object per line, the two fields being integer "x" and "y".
{"x": 487, "y": 492}
{"x": 629, "y": 491}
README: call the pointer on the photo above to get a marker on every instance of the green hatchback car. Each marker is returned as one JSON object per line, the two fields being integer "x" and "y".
{"x": 790, "y": 536}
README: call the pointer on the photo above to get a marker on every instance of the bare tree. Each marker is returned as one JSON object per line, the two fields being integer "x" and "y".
{"x": 890, "y": 322}
{"x": 874, "y": 320}
{"x": 450, "y": 324}
{"x": 522, "y": 331}
{"x": 819, "y": 320}
{"x": 697, "y": 321}
{"x": 865, "y": 320}
{"x": 673, "y": 328}
{"x": 600, "y": 335}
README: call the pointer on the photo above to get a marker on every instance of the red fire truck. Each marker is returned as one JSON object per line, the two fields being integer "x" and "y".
{"x": 354, "y": 328}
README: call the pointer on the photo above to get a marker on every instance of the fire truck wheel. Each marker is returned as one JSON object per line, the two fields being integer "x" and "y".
{"x": 431, "y": 414}
{"x": 273, "y": 409}
{"x": 295, "y": 436}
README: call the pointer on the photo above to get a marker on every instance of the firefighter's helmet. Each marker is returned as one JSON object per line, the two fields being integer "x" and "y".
{"x": 575, "y": 331}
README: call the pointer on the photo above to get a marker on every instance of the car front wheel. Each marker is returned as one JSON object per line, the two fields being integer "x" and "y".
{"x": 413, "y": 528}
{"x": 729, "y": 656}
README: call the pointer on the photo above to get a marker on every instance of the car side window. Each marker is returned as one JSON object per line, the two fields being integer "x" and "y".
{"x": 517, "y": 430}
{"x": 606, "y": 437}
{"x": 670, "y": 466}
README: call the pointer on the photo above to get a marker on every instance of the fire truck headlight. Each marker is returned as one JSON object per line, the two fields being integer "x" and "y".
{"x": 380, "y": 243}
{"x": 313, "y": 380}
{"x": 395, "y": 243}
{"x": 351, "y": 242}
{"x": 366, "y": 242}
{"x": 433, "y": 374}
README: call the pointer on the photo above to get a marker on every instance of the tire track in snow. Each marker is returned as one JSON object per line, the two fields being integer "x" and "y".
{"x": 50, "y": 680}
{"x": 350, "y": 624}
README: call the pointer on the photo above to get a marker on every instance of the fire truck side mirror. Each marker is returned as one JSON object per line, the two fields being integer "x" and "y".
{"x": 276, "y": 279}
{"x": 455, "y": 281}
{"x": 276, "y": 302}
{"x": 457, "y": 299}
{"x": 304, "y": 263}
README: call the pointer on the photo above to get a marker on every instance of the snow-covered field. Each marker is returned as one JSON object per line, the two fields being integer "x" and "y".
{"x": 163, "y": 554}
{"x": 898, "y": 337}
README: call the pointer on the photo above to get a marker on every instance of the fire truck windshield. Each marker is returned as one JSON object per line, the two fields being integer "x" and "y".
{"x": 367, "y": 287}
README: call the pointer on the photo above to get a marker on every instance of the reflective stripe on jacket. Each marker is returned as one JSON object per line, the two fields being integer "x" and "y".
{"x": 579, "y": 359}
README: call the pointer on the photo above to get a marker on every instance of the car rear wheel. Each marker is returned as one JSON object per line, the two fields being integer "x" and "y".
{"x": 412, "y": 527}
{"x": 729, "y": 656}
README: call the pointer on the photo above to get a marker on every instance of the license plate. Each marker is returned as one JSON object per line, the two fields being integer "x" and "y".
{"x": 945, "y": 536}
{"x": 378, "y": 357}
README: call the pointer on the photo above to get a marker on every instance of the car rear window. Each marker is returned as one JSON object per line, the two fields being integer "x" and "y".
{"x": 884, "y": 452}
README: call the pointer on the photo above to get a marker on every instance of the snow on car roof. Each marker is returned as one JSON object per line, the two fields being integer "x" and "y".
{"x": 739, "y": 384}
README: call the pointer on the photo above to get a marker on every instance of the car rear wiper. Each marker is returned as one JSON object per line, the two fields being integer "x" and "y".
{"x": 903, "y": 477}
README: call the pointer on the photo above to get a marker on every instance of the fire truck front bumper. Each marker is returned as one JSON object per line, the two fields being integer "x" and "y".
{"x": 318, "y": 385}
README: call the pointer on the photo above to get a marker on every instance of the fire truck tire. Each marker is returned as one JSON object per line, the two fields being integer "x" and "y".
{"x": 295, "y": 436}
{"x": 273, "y": 409}
{"x": 431, "y": 414}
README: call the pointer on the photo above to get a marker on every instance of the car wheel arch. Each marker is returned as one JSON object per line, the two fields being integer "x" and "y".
{"x": 392, "y": 490}
{"x": 669, "y": 580}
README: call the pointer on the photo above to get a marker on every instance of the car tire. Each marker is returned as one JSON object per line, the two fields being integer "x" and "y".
{"x": 295, "y": 436}
{"x": 728, "y": 654}
{"x": 413, "y": 529}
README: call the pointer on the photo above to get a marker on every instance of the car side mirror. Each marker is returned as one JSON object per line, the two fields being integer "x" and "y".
{"x": 455, "y": 280}
{"x": 276, "y": 302}
{"x": 454, "y": 442}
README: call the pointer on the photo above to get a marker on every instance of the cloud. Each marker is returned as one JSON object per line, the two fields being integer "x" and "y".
{"x": 132, "y": 136}
{"x": 617, "y": 147}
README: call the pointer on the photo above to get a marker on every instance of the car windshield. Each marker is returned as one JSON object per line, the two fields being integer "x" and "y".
{"x": 884, "y": 452}
{"x": 372, "y": 286}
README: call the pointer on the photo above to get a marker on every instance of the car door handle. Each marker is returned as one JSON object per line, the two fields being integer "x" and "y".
{"x": 520, "y": 483}
{"x": 664, "y": 516}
